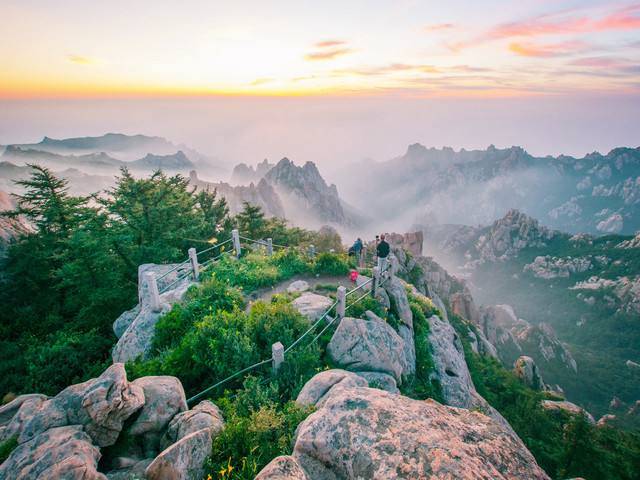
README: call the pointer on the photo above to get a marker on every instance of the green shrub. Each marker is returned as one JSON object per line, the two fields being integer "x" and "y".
{"x": 7, "y": 447}
{"x": 212, "y": 296}
{"x": 331, "y": 264}
{"x": 269, "y": 323}
{"x": 249, "y": 442}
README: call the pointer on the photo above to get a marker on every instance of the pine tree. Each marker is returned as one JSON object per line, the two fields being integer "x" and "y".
{"x": 251, "y": 221}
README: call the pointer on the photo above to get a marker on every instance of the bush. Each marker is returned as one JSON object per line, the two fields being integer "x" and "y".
{"x": 331, "y": 264}
{"x": 257, "y": 430}
{"x": 212, "y": 297}
{"x": 7, "y": 447}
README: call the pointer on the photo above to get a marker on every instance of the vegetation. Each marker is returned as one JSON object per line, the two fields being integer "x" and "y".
{"x": 565, "y": 446}
{"x": 66, "y": 283}
{"x": 7, "y": 447}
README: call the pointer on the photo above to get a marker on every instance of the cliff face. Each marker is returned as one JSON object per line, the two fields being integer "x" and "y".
{"x": 306, "y": 192}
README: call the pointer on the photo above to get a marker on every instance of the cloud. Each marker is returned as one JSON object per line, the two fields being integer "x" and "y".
{"x": 261, "y": 81}
{"x": 328, "y": 50}
{"x": 79, "y": 59}
{"x": 437, "y": 27}
{"x": 330, "y": 43}
{"x": 327, "y": 54}
{"x": 388, "y": 69}
{"x": 566, "y": 22}
{"x": 529, "y": 49}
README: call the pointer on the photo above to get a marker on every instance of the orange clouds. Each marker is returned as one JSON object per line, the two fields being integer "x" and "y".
{"x": 328, "y": 50}
{"x": 528, "y": 49}
{"x": 560, "y": 24}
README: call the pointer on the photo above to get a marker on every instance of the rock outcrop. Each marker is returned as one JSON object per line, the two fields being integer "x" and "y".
{"x": 369, "y": 433}
{"x": 527, "y": 371}
{"x": 317, "y": 389}
{"x": 368, "y": 345}
{"x": 135, "y": 328}
{"x": 61, "y": 452}
{"x": 312, "y": 305}
{"x": 61, "y": 437}
{"x": 567, "y": 407}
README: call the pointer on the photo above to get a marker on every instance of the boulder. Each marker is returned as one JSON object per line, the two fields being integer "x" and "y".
{"x": 369, "y": 433}
{"x": 284, "y": 467}
{"x": 397, "y": 292}
{"x": 450, "y": 367}
{"x": 32, "y": 418}
{"x": 568, "y": 407}
{"x": 462, "y": 304}
{"x": 109, "y": 401}
{"x": 317, "y": 388}
{"x": 137, "y": 339}
{"x": 183, "y": 460}
{"x": 62, "y": 452}
{"x": 367, "y": 345}
{"x": 204, "y": 415}
{"x": 605, "y": 420}
{"x": 135, "y": 328}
{"x": 380, "y": 380}
{"x": 383, "y": 298}
{"x": 298, "y": 286}
{"x": 312, "y": 305}
{"x": 125, "y": 320}
{"x": 101, "y": 405}
{"x": 527, "y": 371}
{"x": 164, "y": 398}
{"x": 133, "y": 471}
{"x": 8, "y": 411}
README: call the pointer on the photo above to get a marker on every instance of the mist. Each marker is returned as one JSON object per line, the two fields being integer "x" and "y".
{"x": 333, "y": 130}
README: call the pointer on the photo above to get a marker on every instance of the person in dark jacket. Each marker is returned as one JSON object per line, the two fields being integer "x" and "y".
{"x": 357, "y": 249}
{"x": 382, "y": 251}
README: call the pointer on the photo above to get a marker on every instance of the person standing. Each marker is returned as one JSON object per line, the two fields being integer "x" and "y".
{"x": 357, "y": 250}
{"x": 382, "y": 251}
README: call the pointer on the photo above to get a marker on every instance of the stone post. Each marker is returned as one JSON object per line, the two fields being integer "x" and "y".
{"x": 277, "y": 356}
{"x": 154, "y": 294}
{"x": 342, "y": 301}
{"x": 312, "y": 251}
{"x": 269, "y": 246}
{"x": 363, "y": 254}
{"x": 376, "y": 281}
{"x": 236, "y": 242}
{"x": 193, "y": 256}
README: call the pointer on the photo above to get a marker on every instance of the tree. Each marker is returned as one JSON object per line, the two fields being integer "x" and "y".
{"x": 251, "y": 221}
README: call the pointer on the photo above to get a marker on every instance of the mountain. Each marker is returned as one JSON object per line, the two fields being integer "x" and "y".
{"x": 262, "y": 194}
{"x": 306, "y": 194}
{"x": 96, "y": 161}
{"x": 111, "y": 142}
{"x": 587, "y": 288}
{"x": 244, "y": 174}
{"x": 595, "y": 194}
{"x": 174, "y": 161}
{"x": 307, "y": 199}
{"x": 10, "y": 227}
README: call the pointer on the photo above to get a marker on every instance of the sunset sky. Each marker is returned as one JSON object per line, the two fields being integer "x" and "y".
{"x": 328, "y": 81}
{"x": 415, "y": 48}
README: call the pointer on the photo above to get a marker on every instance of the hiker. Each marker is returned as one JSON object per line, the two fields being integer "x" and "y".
{"x": 357, "y": 250}
{"x": 382, "y": 251}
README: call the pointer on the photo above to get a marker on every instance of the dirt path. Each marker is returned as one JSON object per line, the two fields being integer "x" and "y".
{"x": 312, "y": 280}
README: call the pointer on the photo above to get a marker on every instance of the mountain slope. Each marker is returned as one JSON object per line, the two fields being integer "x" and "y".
{"x": 597, "y": 193}
{"x": 587, "y": 288}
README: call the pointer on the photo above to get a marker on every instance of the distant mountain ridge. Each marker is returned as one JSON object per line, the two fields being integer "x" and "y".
{"x": 174, "y": 161}
{"x": 595, "y": 194}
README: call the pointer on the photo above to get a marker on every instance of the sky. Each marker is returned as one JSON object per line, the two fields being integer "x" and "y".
{"x": 75, "y": 67}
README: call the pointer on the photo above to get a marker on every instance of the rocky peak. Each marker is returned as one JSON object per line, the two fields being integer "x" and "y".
{"x": 306, "y": 188}
{"x": 510, "y": 234}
